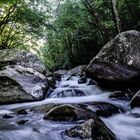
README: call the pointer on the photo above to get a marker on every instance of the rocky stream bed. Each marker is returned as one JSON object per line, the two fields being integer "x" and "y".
{"x": 96, "y": 102}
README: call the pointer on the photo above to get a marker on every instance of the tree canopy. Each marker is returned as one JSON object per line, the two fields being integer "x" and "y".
{"x": 72, "y": 31}
{"x": 83, "y": 27}
{"x": 22, "y": 22}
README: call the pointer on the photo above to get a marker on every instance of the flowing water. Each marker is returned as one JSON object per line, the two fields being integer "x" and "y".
{"x": 126, "y": 126}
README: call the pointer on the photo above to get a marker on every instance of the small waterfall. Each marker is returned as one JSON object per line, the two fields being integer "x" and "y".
{"x": 126, "y": 126}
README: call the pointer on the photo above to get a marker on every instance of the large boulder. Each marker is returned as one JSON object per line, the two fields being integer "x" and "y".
{"x": 22, "y": 77}
{"x": 22, "y": 58}
{"x": 68, "y": 112}
{"x": 20, "y": 84}
{"x": 117, "y": 65}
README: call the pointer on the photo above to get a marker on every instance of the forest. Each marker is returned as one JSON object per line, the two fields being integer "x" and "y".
{"x": 65, "y": 33}
{"x": 69, "y": 69}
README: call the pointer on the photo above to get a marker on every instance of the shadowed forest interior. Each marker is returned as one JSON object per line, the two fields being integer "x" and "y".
{"x": 65, "y": 33}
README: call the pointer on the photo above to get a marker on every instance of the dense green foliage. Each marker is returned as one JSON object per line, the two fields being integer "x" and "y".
{"x": 73, "y": 30}
{"x": 22, "y": 23}
{"x": 83, "y": 27}
{"x": 72, "y": 41}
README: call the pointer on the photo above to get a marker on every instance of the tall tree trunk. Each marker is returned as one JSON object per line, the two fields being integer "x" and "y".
{"x": 116, "y": 15}
{"x": 97, "y": 19}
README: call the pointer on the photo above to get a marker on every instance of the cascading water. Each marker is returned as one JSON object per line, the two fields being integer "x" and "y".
{"x": 124, "y": 125}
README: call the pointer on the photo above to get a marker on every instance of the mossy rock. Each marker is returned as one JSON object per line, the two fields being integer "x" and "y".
{"x": 68, "y": 112}
{"x": 91, "y": 129}
{"x": 117, "y": 65}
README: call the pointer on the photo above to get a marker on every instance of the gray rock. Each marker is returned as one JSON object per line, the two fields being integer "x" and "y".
{"x": 78, "y": 71}
{"x": 74, "y": 71}
{"x": 44, "y": 108}
{"x": 122, "y": 95}
{"x": 84, "y": 130}
{"x": 59, "y": 73}
{"x": 12, "y": 92}
{"x": 68, "y": 113}
{"x": 118, "y": 95}
{"x": 92, "y": 129}
{"x": 118, "y": 62}
{"x": 104, "y": 109}
{"x": 22, "y": 58}
{"x": 20, "y": 84}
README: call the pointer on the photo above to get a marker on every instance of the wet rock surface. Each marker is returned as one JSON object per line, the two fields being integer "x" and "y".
{"x": 117, "y": 65}
{"x": 22, "y": 122}
{"x": 123, "y": 95}
{"x": 20, "y": 84}
{"x": 118, "y": 95}
{"x": 77, "y": 107}
{"x": 92, "y": 129}
{"x": 68, "y": 113}
{"x": 104, "y": 109}
{"x": 22, "y": 58}
{"x": 7, "y": 116}
{"x": 70, "y": 93}
{"x": 82, "y": 80}
{"x": 77, "y": 71}
{"x": 22, "y": 77}
{"x": 22, "y": 112}
{"x": 12, "y": 92}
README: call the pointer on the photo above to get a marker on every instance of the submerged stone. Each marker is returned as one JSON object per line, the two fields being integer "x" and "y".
{"x": 22, "y": 112}
{"x": 7, "y": 116}
{"x": 22, "y": 122}
{"x": 70, "y": 93}
{"x": 82, "y": 80}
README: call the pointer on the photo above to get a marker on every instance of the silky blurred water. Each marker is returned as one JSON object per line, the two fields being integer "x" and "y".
{"x": 126, "y": 126}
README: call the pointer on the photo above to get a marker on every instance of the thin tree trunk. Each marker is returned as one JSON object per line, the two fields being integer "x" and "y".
{"x": 116, "y": 14}
{"x": 97, "y": 19}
